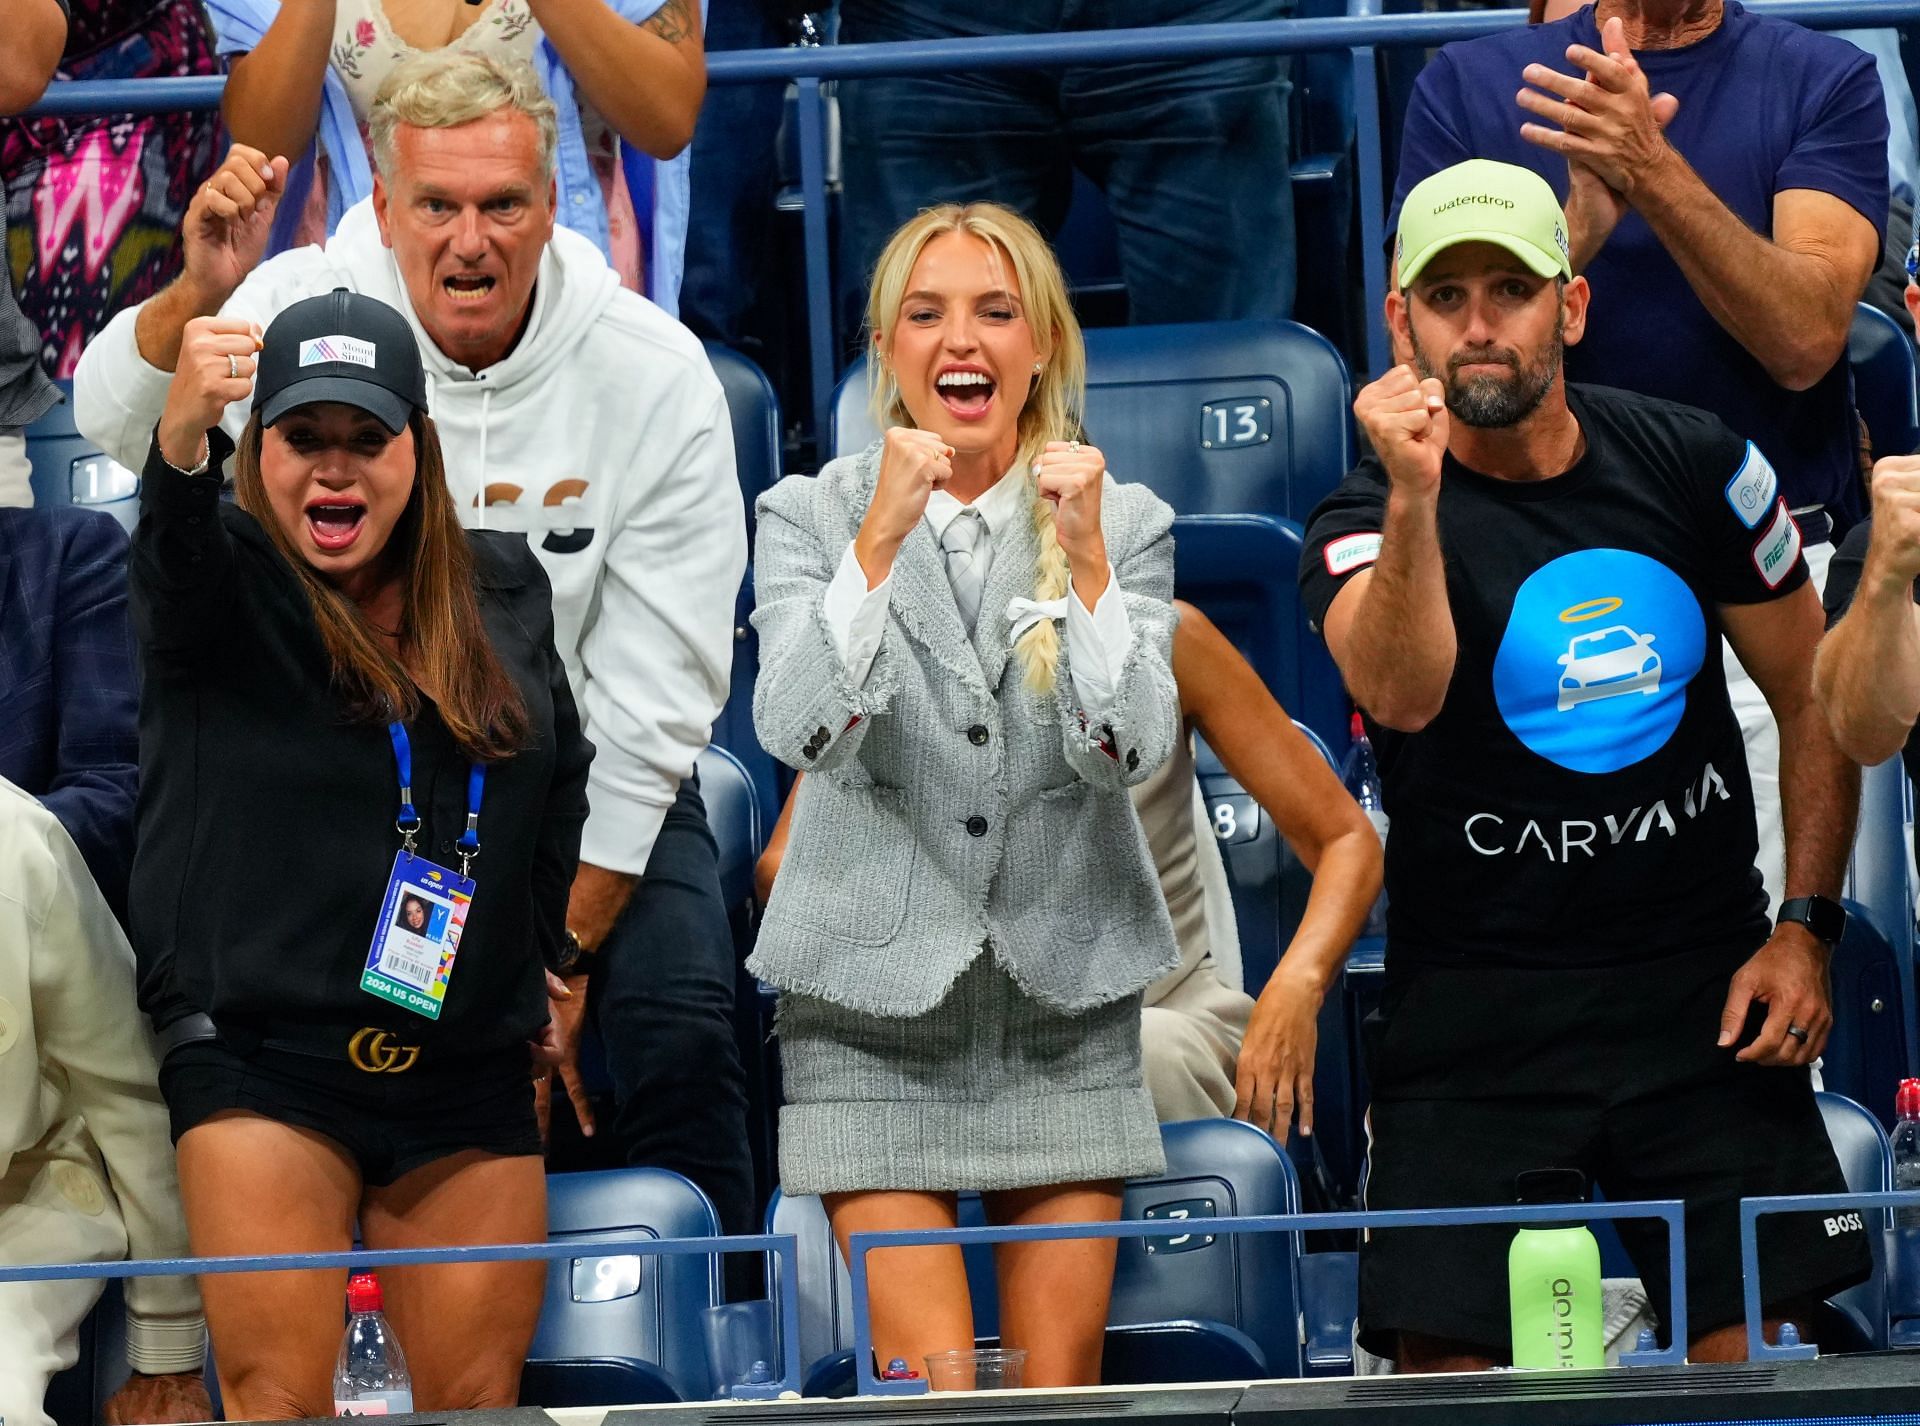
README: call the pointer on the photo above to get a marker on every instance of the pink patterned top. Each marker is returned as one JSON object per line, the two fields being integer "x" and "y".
{"x": 366, "y": 49}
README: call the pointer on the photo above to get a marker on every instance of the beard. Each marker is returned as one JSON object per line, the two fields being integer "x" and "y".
{"x": 1495, "y": 402}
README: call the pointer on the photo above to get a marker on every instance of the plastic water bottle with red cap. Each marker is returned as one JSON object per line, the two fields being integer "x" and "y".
{"x": 370, "y": 1377}
{"x": 1903, "y": 1277}
{"x": 1361, "y": 774}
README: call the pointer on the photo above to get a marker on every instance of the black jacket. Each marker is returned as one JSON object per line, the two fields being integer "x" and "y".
{"x": 265, "y": 823}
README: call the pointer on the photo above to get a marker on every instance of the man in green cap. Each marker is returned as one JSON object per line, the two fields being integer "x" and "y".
{"x": 1526, "y": 586}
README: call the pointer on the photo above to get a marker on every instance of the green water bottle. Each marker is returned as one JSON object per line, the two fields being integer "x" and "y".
{"x": 1553, "y": 1282}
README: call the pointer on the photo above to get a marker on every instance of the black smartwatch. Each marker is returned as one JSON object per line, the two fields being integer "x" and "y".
{"x": 572, "y": 954}
{"x": 1822, "y": 915}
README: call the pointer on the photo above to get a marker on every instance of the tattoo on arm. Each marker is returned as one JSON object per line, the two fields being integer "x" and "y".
{"x": 675, "y": 21}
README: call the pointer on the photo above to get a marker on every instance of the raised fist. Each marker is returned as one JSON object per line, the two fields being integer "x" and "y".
{"x": 1407, "y": 421}
{"x": 227, "y": 224}
{"x": 215, "y": 370}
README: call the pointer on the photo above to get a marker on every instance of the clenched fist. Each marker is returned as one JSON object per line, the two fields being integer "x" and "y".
{"x": 913, "y": 464}
{"x": 1071, "y": 475}
{"x": 1407, "y": 421}
{"x": 1893, "y": 557}
{"x": 229, "y": 221}
{"x": 215, "y": 370}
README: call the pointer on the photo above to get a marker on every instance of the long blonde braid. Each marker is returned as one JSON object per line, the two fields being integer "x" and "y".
{"x": 1054, "y": 401}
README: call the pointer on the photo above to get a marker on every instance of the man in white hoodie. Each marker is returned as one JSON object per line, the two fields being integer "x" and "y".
{"x": 86, "y": 1164}
{"x": 582, "y": 415}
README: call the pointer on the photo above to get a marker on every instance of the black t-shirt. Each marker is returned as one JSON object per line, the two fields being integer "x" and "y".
{"x": 1843, "y": 581}
{"x": 1582, "y": 798}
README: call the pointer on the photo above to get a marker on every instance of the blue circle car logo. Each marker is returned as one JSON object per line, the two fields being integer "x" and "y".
{"x": 1593, "y": 671}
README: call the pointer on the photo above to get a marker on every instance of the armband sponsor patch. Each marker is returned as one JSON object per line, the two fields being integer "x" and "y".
{"x": 1778, "y": 548}
{"x": 1351, "y": 552}
{"x": 1753, "y": 487}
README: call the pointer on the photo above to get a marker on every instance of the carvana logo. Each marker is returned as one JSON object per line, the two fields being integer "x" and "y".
{"x": 1592, "y": 673}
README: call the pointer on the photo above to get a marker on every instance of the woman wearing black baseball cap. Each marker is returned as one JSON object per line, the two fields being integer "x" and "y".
{"x": 346, "y": 695}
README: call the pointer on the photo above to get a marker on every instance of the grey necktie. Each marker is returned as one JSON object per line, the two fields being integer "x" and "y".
{"x": 968, "y": 553}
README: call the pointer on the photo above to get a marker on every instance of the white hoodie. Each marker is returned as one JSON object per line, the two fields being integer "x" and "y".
{"x": 604, "y": 436}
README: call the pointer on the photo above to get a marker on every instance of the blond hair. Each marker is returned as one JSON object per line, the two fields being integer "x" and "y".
{"x": 1054, "y": 401}
{"x": 444, "y": 88}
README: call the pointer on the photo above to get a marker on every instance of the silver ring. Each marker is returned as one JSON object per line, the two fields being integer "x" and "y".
{"x": 1073, "y": 445}
{"x": 233, "y": 366}
{"x": 1797, "y": 1033}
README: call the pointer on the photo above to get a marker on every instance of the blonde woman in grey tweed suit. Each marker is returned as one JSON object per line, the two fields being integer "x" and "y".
{"x": 968, "y": 913}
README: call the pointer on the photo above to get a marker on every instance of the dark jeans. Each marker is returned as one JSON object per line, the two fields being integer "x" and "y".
{"x": 734, "y": 174}
{"x": 1192, "y": 156}
{"x": 662, "y": 997}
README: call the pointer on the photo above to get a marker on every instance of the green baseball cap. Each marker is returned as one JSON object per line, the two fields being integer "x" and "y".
{"x": 1481, "y": 201}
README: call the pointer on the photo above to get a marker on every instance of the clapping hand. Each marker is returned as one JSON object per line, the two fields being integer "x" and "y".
{"x": 1609, "y": 123}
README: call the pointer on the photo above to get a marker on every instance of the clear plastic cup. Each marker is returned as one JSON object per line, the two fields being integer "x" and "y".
{"x": 983, "y": 1369}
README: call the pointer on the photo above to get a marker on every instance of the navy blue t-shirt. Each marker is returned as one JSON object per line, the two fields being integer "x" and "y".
{"x": 1765, "y": 106}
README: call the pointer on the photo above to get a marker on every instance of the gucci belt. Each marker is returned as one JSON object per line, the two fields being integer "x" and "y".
{"x": 376, "y": 1051}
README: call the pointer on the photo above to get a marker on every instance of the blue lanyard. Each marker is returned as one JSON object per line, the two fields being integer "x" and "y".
{"x": 408, "y": 822}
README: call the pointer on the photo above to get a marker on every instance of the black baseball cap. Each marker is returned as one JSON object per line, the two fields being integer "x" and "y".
{"x": 346, "y": 347}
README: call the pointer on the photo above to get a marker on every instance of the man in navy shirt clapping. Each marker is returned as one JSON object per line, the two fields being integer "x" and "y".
{"x": 1725, "y": 182}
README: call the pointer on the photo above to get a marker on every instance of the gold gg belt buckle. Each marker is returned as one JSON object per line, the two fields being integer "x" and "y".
{"x": 375, "y": 1051}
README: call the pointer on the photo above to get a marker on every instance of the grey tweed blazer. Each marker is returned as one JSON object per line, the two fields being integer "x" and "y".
{"x": 946, "y": 805}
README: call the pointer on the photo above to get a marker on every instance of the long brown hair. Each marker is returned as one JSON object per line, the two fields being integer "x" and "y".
{"x": 440, "y": 627}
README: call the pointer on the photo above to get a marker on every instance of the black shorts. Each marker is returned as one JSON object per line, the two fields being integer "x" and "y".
{"x": 1481, "y": 1073}
{"x": 389, "y": 1123}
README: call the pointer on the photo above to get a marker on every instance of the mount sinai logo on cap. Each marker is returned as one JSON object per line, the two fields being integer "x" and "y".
{"x": 317, "y": 351}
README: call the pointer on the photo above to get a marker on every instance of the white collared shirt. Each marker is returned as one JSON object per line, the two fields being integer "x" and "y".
{"x": 1099, "y": 637}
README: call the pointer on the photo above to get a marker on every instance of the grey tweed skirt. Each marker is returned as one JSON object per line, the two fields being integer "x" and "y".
{"x": 990, "y": 1089}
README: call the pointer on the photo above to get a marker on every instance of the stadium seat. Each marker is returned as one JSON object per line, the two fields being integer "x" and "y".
{"x": 1885, "y": 391}
{"x": 1866, "y": 1162}
{"x": 68, "y": 469}
{"x": 622, "y": 1309}
{"x": 1218, "y": 418}
{"x": 754, "y": 411}
{"x": 1241, "y": 571}
{"x": 1872, "y": 1044}
{"x": 734, "y": 814}
{"x": 1183, "y": 1306}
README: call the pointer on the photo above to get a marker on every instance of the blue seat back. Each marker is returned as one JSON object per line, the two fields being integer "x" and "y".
{"x": 1217, "y": 418}
{"x": 734, "y": 814}
{"x": 68, "y": 469}
{"x": 1873, "y": 1042}
{"x": 621, "y": 1306}
{"x": 1242, "y": 571}
{"x": 1216, "y": 1168}
{"x": 754, "y": 412}
{"x": 1885, "y": 391}
{"x": 1866, "y": 1162}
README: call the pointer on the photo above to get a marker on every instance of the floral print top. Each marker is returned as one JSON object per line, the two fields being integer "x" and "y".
{"x": 365, "y": 50}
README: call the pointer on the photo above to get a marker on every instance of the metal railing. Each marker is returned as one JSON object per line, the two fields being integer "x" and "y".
{"x": 628, "y": 1242}
{"x": 1365, "y": 31}
{"x": 1752, "y": 1210}
{"x": 1669, "y": 1211}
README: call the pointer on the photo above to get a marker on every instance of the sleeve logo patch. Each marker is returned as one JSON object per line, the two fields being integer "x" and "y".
{"x": 1779, "y": 548}
{"x": 1351, "y": 552}
{"x": 1753, "y": 487}
{"x": 320, "y": 350}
